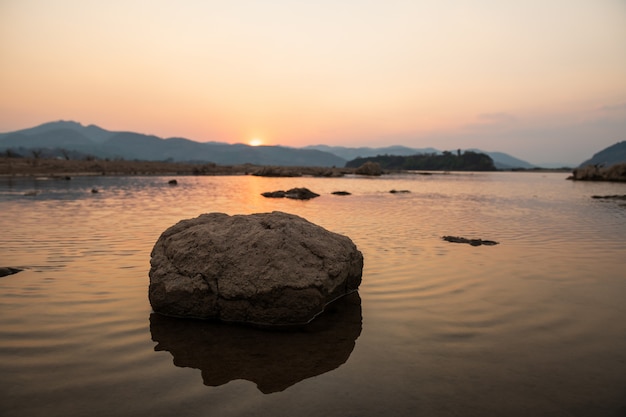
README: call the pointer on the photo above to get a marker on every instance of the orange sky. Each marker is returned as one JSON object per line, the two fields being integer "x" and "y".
{"x": 542, "y": 80}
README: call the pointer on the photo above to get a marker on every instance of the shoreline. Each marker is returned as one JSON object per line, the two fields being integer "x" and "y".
{"x": 65, "y": 169}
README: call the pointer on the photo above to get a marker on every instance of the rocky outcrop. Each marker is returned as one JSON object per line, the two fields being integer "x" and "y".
{"x": 369, "y": 168}
{"x": 616, "y": 173}
{"x": 294, "y": 193}
{"x": 473, "y": 242}
{"x": 264, "y": 269}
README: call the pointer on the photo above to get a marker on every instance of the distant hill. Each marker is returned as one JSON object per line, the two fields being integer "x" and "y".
{"x": 615, "y": 154}
{"x": 92, "y": 133}
{"x": 72, "y": 139}
{"x": 97, "y": 142}
{"x": 362, "y": 152}
{"x": 505, "y": 161}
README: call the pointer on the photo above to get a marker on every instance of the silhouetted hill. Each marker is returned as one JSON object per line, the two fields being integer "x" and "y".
{"x": 363, "y": 152}
{"x": 95, "y": 141}
{"x": 91, "y": 132}
{"x": 615, "y": 154}
{"x": 505, "y": 161}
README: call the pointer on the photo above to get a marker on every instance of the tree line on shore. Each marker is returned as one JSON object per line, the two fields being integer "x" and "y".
{"x": 446, "y": 161}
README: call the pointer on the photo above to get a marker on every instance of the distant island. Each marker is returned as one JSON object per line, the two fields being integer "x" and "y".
{"x": 446, "y": 161}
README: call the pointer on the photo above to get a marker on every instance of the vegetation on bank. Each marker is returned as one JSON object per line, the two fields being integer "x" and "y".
{"x": 446, "y": 161}
{"x": 38, "y": 166}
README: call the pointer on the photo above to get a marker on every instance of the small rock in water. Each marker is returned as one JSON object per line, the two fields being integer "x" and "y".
{"x": 172, "y": 182}
{"x": 610, "y": 197}
{"x": 473, "y": 242}
{"x": 7, "y": 270}
{"x": 294, "y": 193}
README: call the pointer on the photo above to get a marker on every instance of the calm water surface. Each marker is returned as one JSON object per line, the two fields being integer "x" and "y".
{"x": 535, "y": 326}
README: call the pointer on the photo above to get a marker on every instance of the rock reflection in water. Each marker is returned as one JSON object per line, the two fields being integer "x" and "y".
{"x": 274, "y": 360}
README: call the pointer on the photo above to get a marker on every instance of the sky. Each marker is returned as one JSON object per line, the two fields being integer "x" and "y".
{"x": 544, "y": 81}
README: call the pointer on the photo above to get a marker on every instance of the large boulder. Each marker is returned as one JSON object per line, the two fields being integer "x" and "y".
{"x": 264, "y": 269}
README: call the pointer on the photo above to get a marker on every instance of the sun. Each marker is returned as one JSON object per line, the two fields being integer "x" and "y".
{"x": 255, "y": 142}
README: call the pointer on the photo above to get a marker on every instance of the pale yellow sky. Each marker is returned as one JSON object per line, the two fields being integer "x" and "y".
{"x": 542, "y": 80}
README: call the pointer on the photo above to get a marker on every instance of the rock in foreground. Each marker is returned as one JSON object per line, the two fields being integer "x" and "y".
{"x": 264, "y": 269}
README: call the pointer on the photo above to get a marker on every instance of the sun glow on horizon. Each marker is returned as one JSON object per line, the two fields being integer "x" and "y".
{"x": 255, "y": 142}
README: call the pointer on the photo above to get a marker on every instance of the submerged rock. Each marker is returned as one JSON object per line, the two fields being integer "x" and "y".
{"x": 7, "y": 270}
{"x": 264, "y": 269}
{"x": 473, "y": 242}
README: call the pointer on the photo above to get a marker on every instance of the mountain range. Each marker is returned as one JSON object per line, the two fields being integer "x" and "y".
{"x": 72, "y": 138}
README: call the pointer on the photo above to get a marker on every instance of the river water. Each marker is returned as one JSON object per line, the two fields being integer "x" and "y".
{"x": 533, "y": 326}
